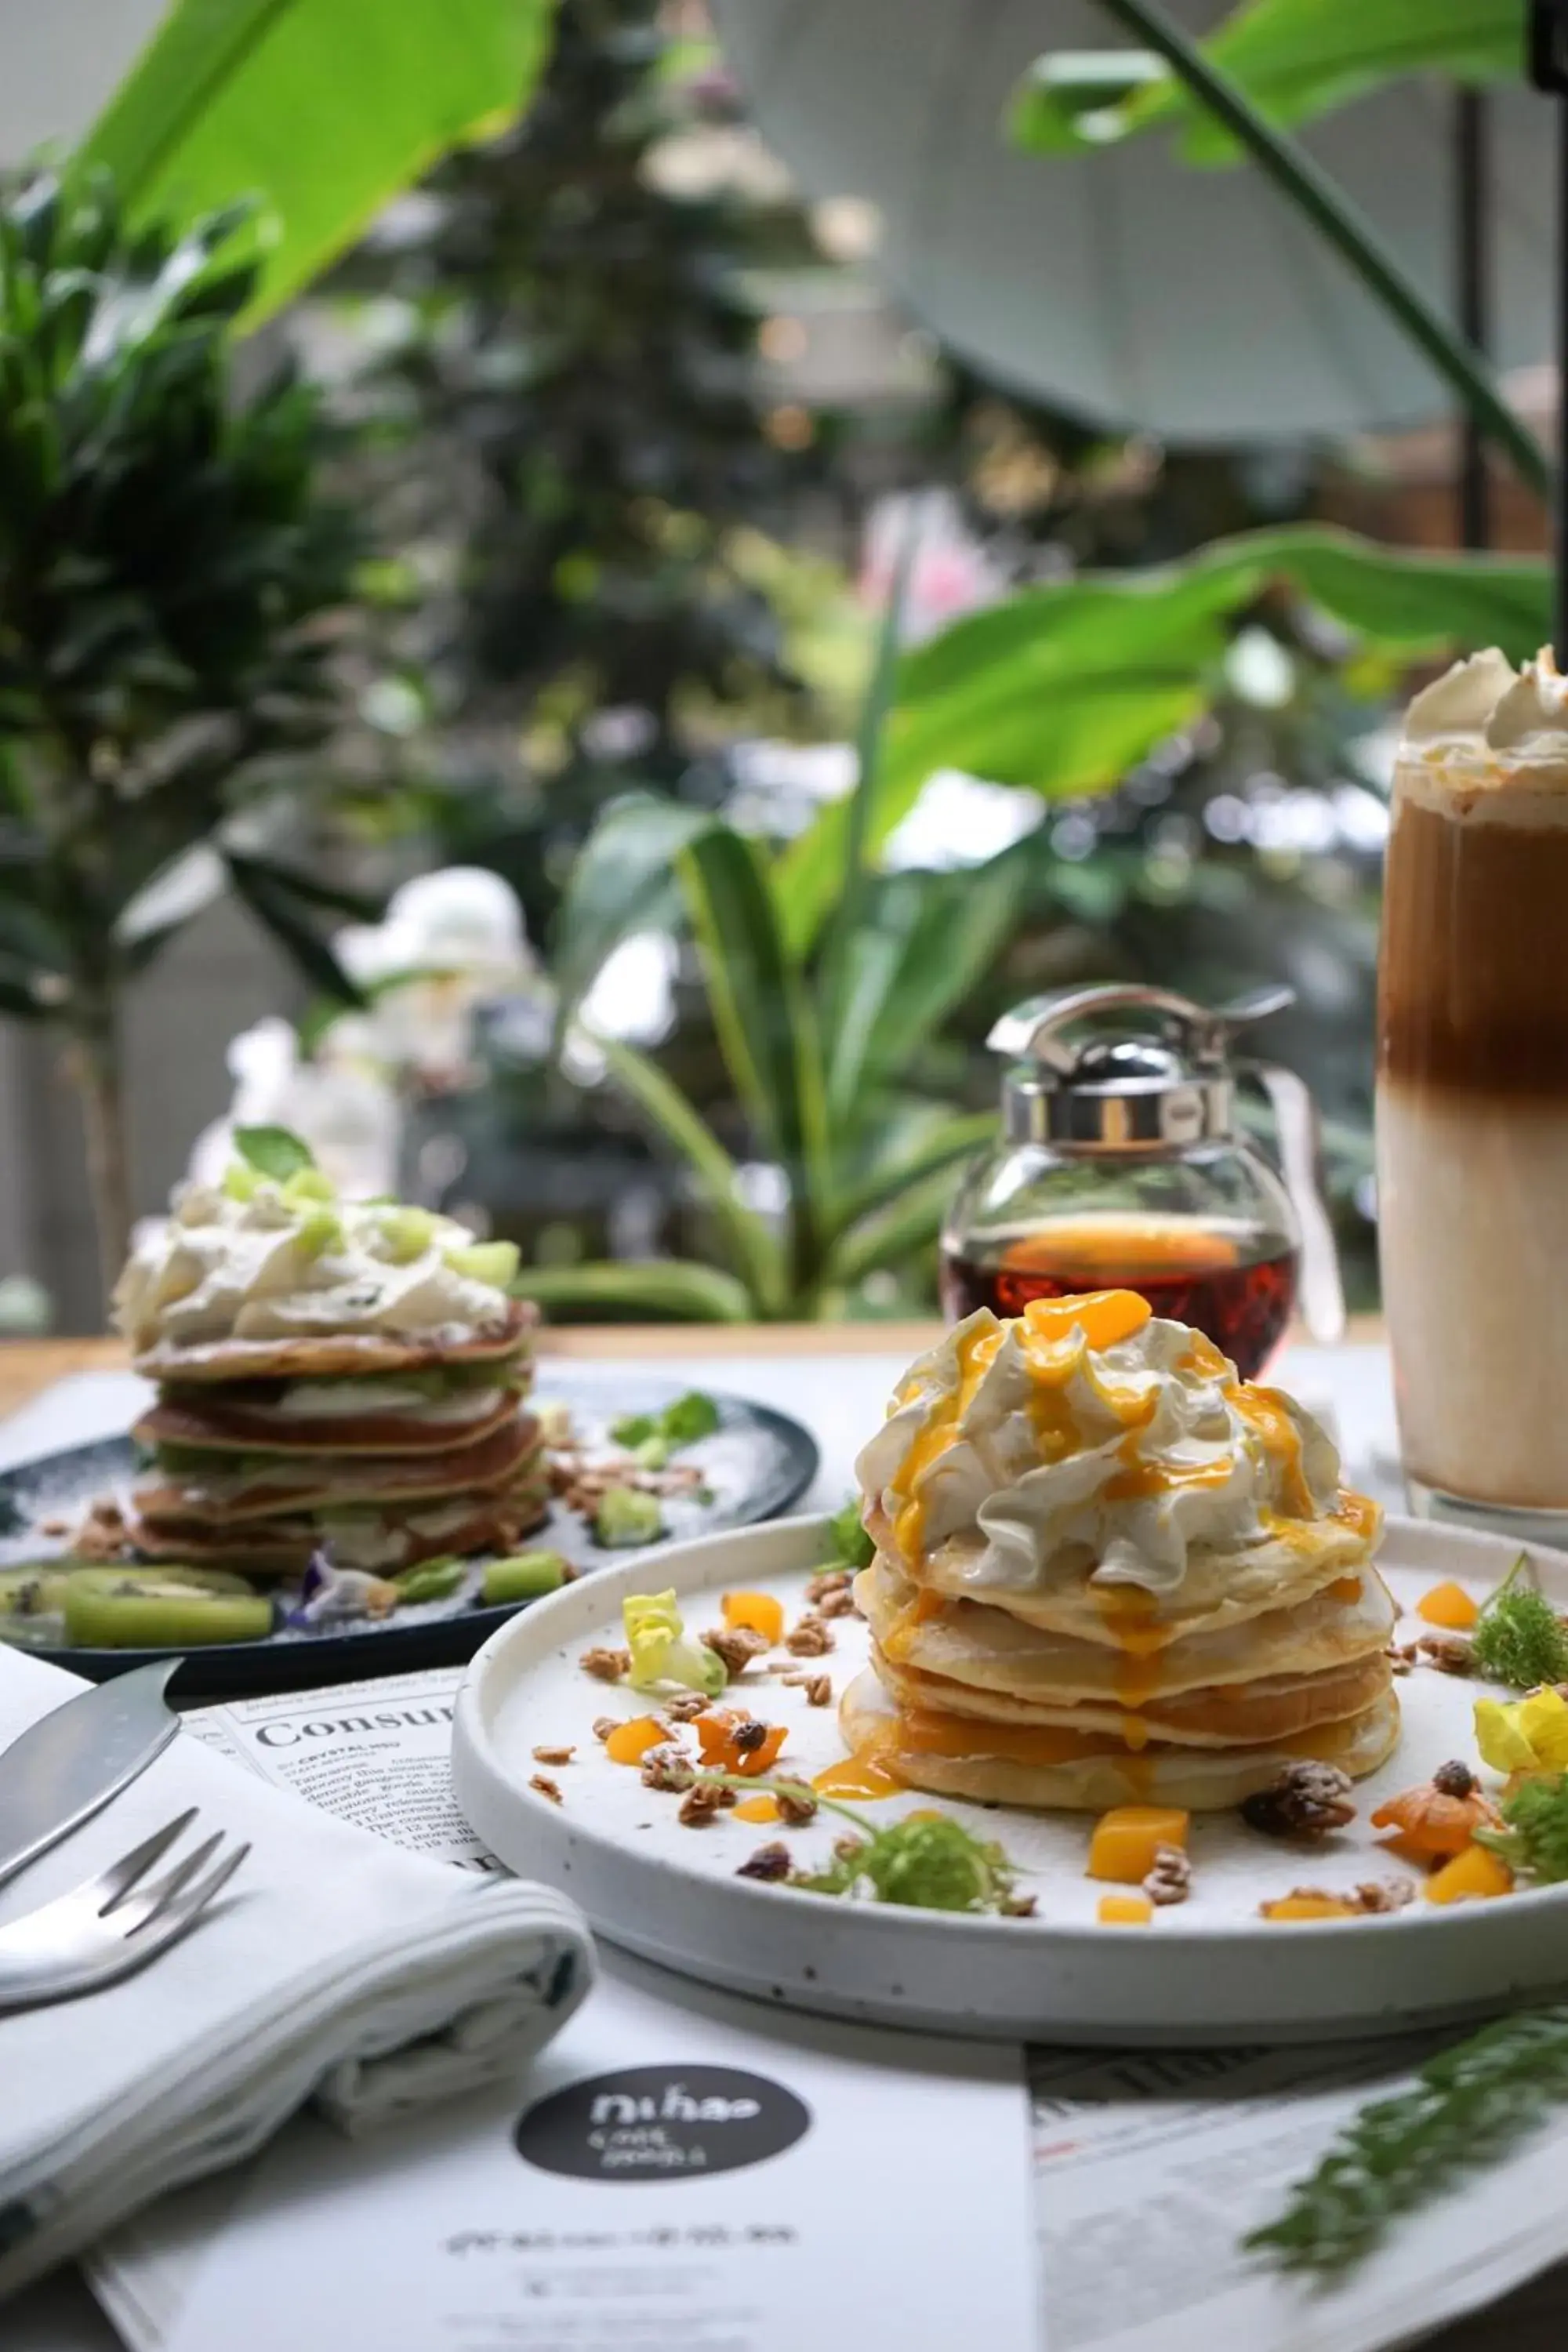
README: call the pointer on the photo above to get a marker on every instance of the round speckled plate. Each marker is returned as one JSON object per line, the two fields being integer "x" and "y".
{"x": 1210, "y": 1970}
{"x": 757, "y": 1464}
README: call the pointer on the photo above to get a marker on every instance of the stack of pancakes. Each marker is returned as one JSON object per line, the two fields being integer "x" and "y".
{"x": 384, "y": 1450}
{"x": 1080, "y": 1692}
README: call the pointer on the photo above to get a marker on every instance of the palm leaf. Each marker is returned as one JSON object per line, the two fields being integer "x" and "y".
{"x": 232, "y": 97}
{"x": 755, "y": 1251}
{"x": 767, "y": 1030}
{"x": 621, "y": 881}
{"x": 672, "y": 1289}
{"x": 1294, "y": 59}
{"x": 906, "y": 1226}
{"x": 279, "y": 915}
{"x": 933, "y": 938}
{"x": 958, "y": 1135}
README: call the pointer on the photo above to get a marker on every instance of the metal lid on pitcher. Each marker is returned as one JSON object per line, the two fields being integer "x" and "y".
{"x": 1160, "y": 1080}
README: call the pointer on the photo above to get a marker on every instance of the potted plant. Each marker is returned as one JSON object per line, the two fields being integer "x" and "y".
{"x": 171, "y": 577}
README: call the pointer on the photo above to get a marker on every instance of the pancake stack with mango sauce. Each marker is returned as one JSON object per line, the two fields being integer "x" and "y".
{"x": 1110, "y": 1571}
{"x": 337, "y": 1377}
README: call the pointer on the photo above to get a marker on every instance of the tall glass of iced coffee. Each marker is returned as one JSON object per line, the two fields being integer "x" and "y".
{"x": 1472, "y": 1098}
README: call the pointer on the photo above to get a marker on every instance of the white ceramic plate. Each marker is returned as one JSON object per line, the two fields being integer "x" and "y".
{"x": 1209, "y": 1970}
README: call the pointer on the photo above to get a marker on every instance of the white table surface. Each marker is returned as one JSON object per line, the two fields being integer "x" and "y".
{"x": 840, "y": 1399}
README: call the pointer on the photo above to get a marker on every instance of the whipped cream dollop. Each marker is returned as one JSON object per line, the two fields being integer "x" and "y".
{"x": 1039, "y": 1444}
{"x": 272, "y": 1267}
{"x": 1485, "y": 704}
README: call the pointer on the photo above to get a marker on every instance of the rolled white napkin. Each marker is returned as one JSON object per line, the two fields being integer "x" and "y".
{"x": 334, "y": 1969}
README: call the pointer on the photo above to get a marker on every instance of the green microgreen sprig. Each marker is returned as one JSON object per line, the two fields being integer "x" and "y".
{"x": 1518, "y": 1638}
{"x": 928, "y": 1862}
{"x": 1467, "y": 2108}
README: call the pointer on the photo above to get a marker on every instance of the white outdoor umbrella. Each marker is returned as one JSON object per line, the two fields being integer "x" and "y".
{"x": 60, "y": 60}
{"x": 1126, "y": 285}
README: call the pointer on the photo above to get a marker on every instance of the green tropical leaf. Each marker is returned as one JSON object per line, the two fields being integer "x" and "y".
{"x": 906, "y": 1226}
{"x": 232, "y": 98}
{"x": 931, "y": 937}
{"x": 313, "y": 890}
{"x": 275, "y": 1151}
{"x": 959, "y": 1136}
{"x": 637, "y": 1290}
{"x": 622, "y": 879}
{"x": 767, "y": 1030}
{"x": 845, "y": 926}
{"x": 1294, "y": 58}
{"x": 755, "y": 1251}
{"x": 1063, "y": 688}
{"x": 278, "y": 914}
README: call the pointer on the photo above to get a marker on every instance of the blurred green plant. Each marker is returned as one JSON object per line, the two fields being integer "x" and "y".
{"x": 1213, "y": 89}
{"x": 170, "y": 572}
{"x": 818, "y": 1054}
{"x": 247, "y": 99}
{"x": 1295, "y": 59}
{"x": 573, "y": 446}
{"x": 1062, "y": 688}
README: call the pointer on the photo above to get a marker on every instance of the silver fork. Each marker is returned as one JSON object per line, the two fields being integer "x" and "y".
{"x": 113, "y": 1924}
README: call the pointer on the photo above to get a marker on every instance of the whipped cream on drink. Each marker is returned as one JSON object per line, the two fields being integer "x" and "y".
{"x": 1472, "y": 1089}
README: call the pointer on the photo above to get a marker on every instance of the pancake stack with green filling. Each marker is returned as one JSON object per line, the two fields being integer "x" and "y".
{"x": 334, "y": 1377}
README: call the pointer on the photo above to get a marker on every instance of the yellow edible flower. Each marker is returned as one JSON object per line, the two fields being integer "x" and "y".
{"x": 662, "y": 1651}
{"x": 1524, "y": 1735}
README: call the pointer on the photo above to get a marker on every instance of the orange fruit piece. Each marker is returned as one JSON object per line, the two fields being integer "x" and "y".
{"x": 629, "y": 1742}
{"x": 754, "y": 1612}
{"x": 1472, "y": 1874}
{"x": 1122, "y": 1846}
{"x": 1448, "y": 1605}
{"x": 1125, "y": 1911}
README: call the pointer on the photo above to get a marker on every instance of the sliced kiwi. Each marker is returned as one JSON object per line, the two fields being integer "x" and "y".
{"x": 161, "y": 1608}
{"x": 32, "y": 1602}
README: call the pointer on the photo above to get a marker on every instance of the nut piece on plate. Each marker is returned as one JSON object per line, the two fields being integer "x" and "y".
{"x": 700, "y": 1803}
{"x": 562, "y": 1755}
{"x": 666, "y": 1767}
{"x": 1306, "y": 1801}
{"x": 1170, "y": 1876}
{"x": 606, "y": 1665}
{"x": 810, "y": 1639}
{"x": 547, "y": 1788}
{"x": 737, "y": 1645}
{"x": 769, "y": 1863}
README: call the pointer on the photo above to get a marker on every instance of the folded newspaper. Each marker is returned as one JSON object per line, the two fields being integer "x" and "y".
{"x": 1150, "y": 2169}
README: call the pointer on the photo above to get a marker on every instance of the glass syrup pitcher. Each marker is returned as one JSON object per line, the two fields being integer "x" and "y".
{"x": 1119, "y": 1167}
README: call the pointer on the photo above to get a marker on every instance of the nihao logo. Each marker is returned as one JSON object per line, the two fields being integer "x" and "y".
{"x": 662, "y": 2123}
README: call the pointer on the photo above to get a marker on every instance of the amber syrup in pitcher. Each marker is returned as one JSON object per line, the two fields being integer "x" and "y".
{"x": 1186, "y": 1271}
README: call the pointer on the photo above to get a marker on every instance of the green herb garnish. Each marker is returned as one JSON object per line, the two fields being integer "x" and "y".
{"x": 851, "y": 1544}
{"x": 691, "y": 1417}
{"x": 626, "y": 1517}
{"x": 274, "y": 1151}
{"x": 1535, "y": 1842}
{"x": 1468, "y": 2106}
{"x": 1518, "y": 1638}
{"x": 928, "y": 1862}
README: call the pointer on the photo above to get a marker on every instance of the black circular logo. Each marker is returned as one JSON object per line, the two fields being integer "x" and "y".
{"x": 662, "y": 2123}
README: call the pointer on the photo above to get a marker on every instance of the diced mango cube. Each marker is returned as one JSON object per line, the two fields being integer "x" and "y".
{"x": 1307, "y": 1906}
{"x": 1125, "y": 1910}
{"x": 1471, "y": 1875}
{"x": 629, "y": 1742}
{"x": 754, "y": 1612}
{"x": 1122, "y": 1846}
{"x": 1448, "y": 1605}
{"x": 757, "y": 1808}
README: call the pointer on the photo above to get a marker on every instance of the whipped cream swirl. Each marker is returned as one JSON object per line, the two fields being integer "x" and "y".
{"x": 1485, "y": 704}
{"x": 1034, "y": 1453}
{"x": 222, "y": 1268}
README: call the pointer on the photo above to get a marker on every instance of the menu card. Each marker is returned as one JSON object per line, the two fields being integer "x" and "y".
{"x": 670, "y": 2175}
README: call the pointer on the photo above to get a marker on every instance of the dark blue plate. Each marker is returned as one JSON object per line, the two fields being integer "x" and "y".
{"x": 757, "y": 1464}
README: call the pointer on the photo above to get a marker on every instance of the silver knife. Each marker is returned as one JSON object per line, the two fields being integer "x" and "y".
{"x": 59, "y": 1771}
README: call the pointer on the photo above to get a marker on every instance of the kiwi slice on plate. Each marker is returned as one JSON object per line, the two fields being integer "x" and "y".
{"x": 161, "y": 1608}
{"x": 32, "y": 1602}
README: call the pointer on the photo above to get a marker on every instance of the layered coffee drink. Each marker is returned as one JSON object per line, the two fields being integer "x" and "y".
{"x": 1472, "y": 1095}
